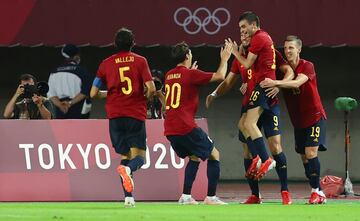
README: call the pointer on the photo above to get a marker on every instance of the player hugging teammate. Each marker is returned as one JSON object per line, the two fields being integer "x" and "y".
{"x": 256, "y": 61}
{"x": 126, "y": 74}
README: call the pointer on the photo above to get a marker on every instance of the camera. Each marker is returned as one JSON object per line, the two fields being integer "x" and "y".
{"x": 158, "y": 78}
{"x": 158, "y": 84}
{"x": 40, "y": 89}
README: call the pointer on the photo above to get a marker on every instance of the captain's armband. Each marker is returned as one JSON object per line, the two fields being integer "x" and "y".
{"x": 97, "y": 82}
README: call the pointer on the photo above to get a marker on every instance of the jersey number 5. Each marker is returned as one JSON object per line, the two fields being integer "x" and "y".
{"x": 125, "y": 89}
{"x": 175, "y": 91}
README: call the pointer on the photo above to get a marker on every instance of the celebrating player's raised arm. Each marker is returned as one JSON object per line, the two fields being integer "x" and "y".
{"x": 237, "y": 52}
{"x": 182, "y": 85}
{"x": 225, "y": 54}
{"x": 222, "y": 89}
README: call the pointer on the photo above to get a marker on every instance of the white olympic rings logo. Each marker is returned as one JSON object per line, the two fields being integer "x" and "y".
{"x": 193, "y": 17}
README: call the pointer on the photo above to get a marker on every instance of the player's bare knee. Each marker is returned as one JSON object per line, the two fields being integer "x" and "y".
{"x": 311, "y": 155}
{"x": 215, "y": 155}
{"x": 311, "y": 152}
{"x": 275, "y": 150}
{"x": 126, "y": 156}
{"x": 246, "y": 152}
{"x": 137, "y": 152}
{"x": 194, "y": 158}
{"x": 250, "y": 124}
{"x": 247, "y": 155}
{"x": 275, "y": 145}
{"x": 241, "y": 125}
{"x": 252, "y": 129}
{"x": 303, "y": 158}
{"x": 247, "y": 124}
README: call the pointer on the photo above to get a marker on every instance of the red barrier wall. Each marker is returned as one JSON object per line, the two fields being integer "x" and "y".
{"x": 167, "y": 22}
{"x": 73, "y": 160}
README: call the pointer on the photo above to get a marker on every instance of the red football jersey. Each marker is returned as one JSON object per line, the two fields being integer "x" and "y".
{"x": 264, "y": 66}
{"x": 247, "y": 77}
{"x": 279, "y": 59}
{"x": 182, "y": 97}
{"x": 124, "y": 75}
{"x": 279, "y": 62}
{"x": 304, "y": 104}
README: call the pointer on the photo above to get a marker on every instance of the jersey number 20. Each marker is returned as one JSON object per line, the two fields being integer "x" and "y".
{"x": 175, "y": 91}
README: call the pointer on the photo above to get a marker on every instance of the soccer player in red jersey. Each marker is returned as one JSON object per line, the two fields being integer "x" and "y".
{"x": 306, "y": 113}
{"x": 182, "y": 85}
{"x": 261, "y": 58}
{"x": 269, "y": 120}
{"x": 124, "y": 74}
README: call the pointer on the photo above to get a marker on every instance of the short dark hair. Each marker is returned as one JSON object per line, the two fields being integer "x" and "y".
{"x": 158, "y": 74}
{"x": 69, "y": 51}
{"x": 250, "y": 17}
{"x": 179, "y": 51}
{"x": 124, "y": 39}
{"x": 294, "y": 38}
{"x": 26, "y": 77}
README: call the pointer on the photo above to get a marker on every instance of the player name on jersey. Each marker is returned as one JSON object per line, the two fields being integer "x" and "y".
{"x": 173, "y": 76}
{"x": 124, "y": 59}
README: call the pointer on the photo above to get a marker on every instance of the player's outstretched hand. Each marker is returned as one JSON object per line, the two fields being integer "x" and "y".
{"x": 243, "y": 88}
{"x": 209, "y": 99}
{"x": 226, "y": 51}
{"x": 267, "y": 82}
{"x": 272, "y": 91}
{"x": 234, "y": 45}
{"x": 194, "y": 65}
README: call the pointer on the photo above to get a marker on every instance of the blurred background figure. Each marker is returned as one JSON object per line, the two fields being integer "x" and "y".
{"x": 69, "y": 86}
{"x": 29, "y": 101}
{"x": 155, "y": 108}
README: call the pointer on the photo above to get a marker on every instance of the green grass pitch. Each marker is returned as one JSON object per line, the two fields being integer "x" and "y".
{"x": 102, "y": 211}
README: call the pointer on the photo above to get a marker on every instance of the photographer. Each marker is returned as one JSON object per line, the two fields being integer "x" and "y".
{"x": 27, "y": 102}
{"x": 155, "y": 109}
